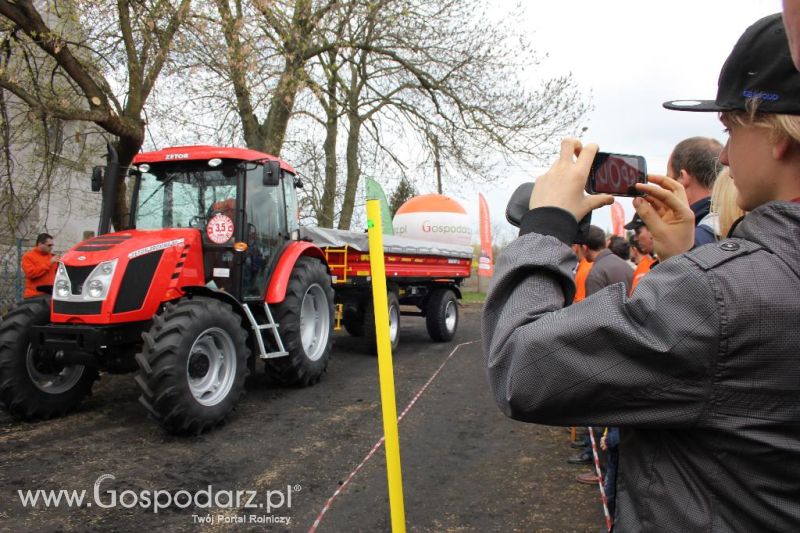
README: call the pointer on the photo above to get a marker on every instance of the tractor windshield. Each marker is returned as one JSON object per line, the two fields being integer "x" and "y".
{"x": 181, "y": 197}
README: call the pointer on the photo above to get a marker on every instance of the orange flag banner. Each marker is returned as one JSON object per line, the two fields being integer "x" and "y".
{"x": 617, "y": 219}
{"x": 486, "y": 260}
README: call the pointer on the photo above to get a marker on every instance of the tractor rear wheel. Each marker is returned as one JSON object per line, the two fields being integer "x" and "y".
{"x": 33, "y": 385}
{"x": 193, "y": 365}
{"x": 305, "y": 318}
{"x": 441, "y": 315}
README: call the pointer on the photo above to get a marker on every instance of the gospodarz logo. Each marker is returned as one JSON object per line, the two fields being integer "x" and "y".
{"x": 239, "y": 506}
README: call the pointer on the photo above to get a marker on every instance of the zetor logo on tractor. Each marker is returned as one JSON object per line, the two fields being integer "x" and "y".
{"x": 212, "y": 272}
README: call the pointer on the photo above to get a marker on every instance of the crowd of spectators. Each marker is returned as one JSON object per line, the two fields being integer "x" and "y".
{"x": 690, "y": 362}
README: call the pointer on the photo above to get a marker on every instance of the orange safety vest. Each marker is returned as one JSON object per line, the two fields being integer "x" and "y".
{"x": 580, "y": 279}
{"x": 642, "y": 268}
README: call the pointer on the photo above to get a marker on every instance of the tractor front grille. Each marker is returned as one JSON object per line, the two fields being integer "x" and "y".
{"x": 136, "y": 282}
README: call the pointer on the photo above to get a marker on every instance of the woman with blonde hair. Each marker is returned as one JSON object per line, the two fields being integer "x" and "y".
{"x": 723, "y": 204}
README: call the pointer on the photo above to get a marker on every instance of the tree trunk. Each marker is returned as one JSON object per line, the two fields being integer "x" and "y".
{"x": 437, "y": 161}
{"x": 328, "y": 200}
{"x": 273, "y": 131}
{"x": 127, "y": 148}
{"x": 299, "y": 38}
{"x": 353, "y": 168}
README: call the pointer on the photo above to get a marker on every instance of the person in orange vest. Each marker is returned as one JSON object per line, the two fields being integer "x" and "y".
{"x": 645, "y": 245}
{"x": 584, "y": 266}
{"x": 39, "y": 265}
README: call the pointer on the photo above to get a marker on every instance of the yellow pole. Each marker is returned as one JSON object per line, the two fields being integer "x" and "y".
{"x": 388, "y": 402}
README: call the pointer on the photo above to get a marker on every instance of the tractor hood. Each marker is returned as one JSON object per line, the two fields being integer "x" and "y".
{"x": 128, "y": 244}
{"x": 125, "y": 276}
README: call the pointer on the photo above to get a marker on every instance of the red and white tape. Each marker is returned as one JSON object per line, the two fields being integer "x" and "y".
{"x": 609, "y": 520}
{"x": 378, "y": 444}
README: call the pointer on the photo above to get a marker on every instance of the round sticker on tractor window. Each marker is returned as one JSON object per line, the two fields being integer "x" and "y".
{"x": 220, "y": 228}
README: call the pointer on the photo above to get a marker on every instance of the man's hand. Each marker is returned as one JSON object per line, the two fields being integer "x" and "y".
{"x": 603, "y": 445}
{"x": 666, "y": 213}
{"x": 55, "y": 259}
{"x": 562, "y": 186}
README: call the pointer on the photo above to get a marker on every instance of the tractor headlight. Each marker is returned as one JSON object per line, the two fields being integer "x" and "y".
{"x": 62, "y": 289}
{"x": 96, "y": 288}
{"x": 61, "y": 285}
{"x": 98, "y": 282}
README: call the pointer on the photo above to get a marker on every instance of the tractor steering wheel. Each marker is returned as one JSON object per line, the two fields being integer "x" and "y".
{"x": 198, "y": 221}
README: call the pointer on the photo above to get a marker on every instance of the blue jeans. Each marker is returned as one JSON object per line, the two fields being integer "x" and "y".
{"x": 610, "y": 481}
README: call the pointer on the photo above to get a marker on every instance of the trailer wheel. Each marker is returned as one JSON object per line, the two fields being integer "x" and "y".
{"x": 441, "y": 315}
{"x": 193, "y": 365}
{"x": 305, "y": 318}
{"x": 33, "y": 385}
{"x": 394, "y": 322}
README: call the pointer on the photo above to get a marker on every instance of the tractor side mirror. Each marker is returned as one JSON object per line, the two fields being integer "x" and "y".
{"x": 97, "y": 179}
{"x": 272, "y": 174}
{"x": 298, "y": 183}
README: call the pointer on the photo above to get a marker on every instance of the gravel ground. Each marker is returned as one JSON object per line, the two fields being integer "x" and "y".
{"x": 465, "y": 466}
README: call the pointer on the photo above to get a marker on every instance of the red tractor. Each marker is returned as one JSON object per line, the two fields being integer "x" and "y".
{"x": 211, "y": 277}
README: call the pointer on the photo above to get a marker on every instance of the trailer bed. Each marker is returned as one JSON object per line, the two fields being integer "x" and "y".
{"x": 406, "y": 260}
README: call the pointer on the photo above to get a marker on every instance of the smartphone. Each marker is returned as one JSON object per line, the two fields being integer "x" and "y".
{"x": 616, "y": 174}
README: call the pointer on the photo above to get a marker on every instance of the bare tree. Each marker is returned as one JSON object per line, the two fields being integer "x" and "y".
{"x": 438, "y": 70}
{"x": 463, "y": 89}
{"x": 77, "y": 78}
{"x": 436, "y": 76}
{"x": 288, "y": 33}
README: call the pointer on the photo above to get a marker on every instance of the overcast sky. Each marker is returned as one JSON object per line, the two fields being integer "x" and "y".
{"x": 629, "y": 57}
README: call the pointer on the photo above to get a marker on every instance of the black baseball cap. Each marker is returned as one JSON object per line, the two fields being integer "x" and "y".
{"x": 759, "y": 67}
{"x": 635, "y": 223}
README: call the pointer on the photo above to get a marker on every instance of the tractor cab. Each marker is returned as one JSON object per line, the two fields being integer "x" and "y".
{"x": 245, "y": 209}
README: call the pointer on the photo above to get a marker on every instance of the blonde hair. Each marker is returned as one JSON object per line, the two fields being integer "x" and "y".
{"x": 723, "y": 202}
{"x": 782, "y": 126}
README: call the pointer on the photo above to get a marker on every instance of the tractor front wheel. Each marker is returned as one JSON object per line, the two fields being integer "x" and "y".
{"x": 193, "y": 365}
{"x": 33, "y": 384}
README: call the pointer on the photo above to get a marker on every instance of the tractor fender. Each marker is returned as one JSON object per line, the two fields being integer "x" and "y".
{"x": 276, "y": 291}
{"x": 199, "y": 290}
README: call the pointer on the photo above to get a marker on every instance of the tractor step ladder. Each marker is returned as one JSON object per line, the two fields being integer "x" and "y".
{"x": 258, "y": 328}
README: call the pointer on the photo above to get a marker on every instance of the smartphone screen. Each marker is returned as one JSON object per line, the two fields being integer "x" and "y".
{"x": 616, "y": 174}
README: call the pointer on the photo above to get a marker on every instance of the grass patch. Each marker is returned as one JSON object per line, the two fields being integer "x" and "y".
{"x": 473, "y": 297}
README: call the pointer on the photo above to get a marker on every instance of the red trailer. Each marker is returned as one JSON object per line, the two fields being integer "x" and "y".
{"x": 422, "y": 274}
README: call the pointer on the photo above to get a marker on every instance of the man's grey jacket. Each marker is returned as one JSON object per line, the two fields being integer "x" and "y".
{"x": 700, "y": 369}
{"x": 608, "y": 269}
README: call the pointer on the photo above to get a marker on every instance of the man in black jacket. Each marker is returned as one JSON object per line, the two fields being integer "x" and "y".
{"x": 699, "y": 367}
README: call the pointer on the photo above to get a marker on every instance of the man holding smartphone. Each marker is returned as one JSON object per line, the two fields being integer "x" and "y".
{"x": 699, "y": 367}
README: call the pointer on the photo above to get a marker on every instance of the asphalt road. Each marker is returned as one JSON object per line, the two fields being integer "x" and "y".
{"x": 465, "y": 466}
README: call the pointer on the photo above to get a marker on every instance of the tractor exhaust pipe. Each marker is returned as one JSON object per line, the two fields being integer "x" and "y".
{"x": 110, "y": 185}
